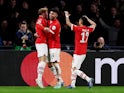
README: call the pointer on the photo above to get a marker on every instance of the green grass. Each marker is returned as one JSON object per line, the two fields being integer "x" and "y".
{"x": 83, "y": 89}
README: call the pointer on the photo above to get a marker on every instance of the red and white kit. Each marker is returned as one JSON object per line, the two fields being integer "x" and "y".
{"x": 81, "y": 38}
{"x": 41, "y": 41}
{"x": 54, "y": 40}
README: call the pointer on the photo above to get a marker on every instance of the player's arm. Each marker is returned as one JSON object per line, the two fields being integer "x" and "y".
{"x": 67, "y": 18}
{"x": 48, "y": 30}
{"x": 90, "y": 21}
{"x": 41, "y": 27}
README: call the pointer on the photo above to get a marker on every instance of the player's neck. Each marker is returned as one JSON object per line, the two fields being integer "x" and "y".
{"x": 54, "y": 19}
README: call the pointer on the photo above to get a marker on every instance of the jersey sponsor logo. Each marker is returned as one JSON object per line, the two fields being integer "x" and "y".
{"x": 53, "y": 27}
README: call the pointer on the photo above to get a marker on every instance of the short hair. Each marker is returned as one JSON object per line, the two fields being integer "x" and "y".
{"x": 24, "y": 22}
{"x": 42, "y": 10}
{"x": 54, "y": 10}
{"x": 85, "y": 22}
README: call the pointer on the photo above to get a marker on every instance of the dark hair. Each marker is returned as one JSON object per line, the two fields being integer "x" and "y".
{"x": 85, "y": 22}
{"x": 23, "y": 22}
{"x": 54, "y": 10}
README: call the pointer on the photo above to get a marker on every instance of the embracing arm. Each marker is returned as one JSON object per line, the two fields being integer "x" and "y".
{"x": 67, "y": 18}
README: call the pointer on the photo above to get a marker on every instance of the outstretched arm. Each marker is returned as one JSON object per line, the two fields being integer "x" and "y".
{"x": 67, "y": 18}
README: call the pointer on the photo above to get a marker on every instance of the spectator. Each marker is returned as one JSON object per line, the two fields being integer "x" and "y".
{"x": 4, "y": 33}
{"x": 13, "y": 17}
{"x": 32, "y": 26}
{"x": 3, "y": 14}
{"x": 24, "y": 38}
{"x": 112, "y": 31}
{"x": 64, "y": 28}
{"x": 13, "y": 9}
{"x": 120, "y": 41}
{"x": 1, "y": 42}
{"x": 25, "y": 12}
{"x": 120, "y": 5}
{"x": 94, "y": 11}
{"x": 100, "y": 44}
{"x": 77, "y": 13}
{"x": 114, "y": 14}
{"x": 63, "y": 5}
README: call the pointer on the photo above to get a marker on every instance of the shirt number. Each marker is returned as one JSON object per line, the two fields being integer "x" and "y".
{"x": 85, "y": 36}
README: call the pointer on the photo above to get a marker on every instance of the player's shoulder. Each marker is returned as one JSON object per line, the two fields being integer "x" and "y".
{"x": 57, "y": 22}
{"x": 85, "y": 27}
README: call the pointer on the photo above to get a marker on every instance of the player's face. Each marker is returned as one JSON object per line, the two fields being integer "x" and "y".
{"x": 52, "y": 15}
{"x": 46, "y": 14}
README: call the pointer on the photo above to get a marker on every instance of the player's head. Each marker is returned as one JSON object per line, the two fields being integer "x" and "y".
{"x": 53, "y": 14}
{"x": 83, "y": 21}
{"x": 43, "y": 12}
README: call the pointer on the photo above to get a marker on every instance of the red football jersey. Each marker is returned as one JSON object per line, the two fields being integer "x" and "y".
{"x": 81, "y": 38}
{"x": 54, "y": 39}
{"x": 40, "y": 24}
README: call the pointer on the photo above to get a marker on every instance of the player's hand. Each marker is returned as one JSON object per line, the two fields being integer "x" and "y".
{"x": 85, "y": 16}
{"x": 67, "y": 14}
{"x": 48, "y": 30}
{"x": 36, "y": 35}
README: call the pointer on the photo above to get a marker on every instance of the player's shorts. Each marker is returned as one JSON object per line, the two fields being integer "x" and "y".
{"x": 54, "y": 55}
{"x": 42, "y": 49}
{"x": 78, "y": 60}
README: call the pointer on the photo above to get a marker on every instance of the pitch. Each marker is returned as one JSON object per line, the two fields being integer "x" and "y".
{"x": 79, "y": 89}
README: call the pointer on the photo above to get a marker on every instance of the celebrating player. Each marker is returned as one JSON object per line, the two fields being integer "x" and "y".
{"x": 81, "y": 37}
{"x": 54, "y": 45}
{"x": 41, "y": 43}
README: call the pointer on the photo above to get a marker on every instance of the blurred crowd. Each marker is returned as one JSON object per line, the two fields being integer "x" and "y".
{"x": 108, "y": 14}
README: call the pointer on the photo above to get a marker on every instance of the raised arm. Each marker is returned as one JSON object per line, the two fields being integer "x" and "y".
{"x": 103, "y": 24}
{"x": 67, "y": 18}
{"x": 90, "y": 21}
